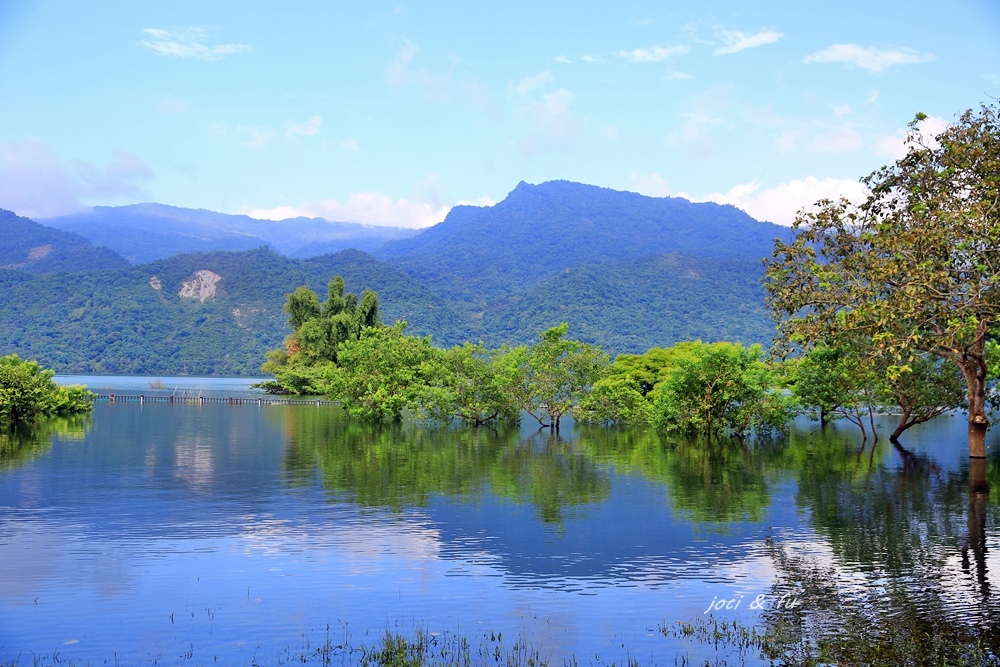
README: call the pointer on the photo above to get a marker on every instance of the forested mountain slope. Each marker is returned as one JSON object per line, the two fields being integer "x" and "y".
{"x": 33, "y": 248}
{"x": 633, "y": 306}
{"x": 480, "y": 253}
{"x": 209, "y": 313}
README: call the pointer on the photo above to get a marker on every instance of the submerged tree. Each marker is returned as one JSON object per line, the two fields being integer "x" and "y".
{"x": 27, "y": 391}
{"x": 470, "y": 383}
{"x": 555, "y": 374}
{"x": 915, "y": 268}
{"x": 720, "y": 388}
{"x": 318, "y": 331}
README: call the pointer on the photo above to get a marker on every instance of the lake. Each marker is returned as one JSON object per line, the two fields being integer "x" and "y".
{"x": 219, "y": 534}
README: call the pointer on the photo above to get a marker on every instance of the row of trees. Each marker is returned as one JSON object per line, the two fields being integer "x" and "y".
{"x": 341, "y": 349}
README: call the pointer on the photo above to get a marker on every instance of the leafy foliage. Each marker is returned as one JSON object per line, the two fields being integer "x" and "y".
{"x": 720, "y": 388}
{"x": 27, "y": 391}
{"x": 555, "y": 374}
{"x": 916, "y": 267}
{"x": 381, "y": 373}
{"x": 471, "y": 383}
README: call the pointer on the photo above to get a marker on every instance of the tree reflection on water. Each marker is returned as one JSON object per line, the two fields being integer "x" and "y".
{"x": 21, "y": 443}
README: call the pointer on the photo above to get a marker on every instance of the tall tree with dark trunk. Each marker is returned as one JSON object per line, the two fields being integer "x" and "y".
{"x": 915, "y": 268}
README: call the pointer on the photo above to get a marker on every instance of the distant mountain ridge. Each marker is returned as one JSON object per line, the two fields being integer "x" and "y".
{"x": 28, "y": 246}
{"x": 147, "y": 232}
{"x": 626, "y": 272}
{"x": 538, "y": 230}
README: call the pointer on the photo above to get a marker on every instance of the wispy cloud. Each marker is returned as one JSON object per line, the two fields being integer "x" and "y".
{"x": 653, "y": 54}
{"x": 368, "y": 208}
{"x": 530, "y": 83}
{"x": 868, "y": 58}
{"x": 37, "y": 183}
{"x": 837, "y": 139}
{"x": 591, "y": 59}
{"x": 563, "y": 60}
{"x": 436, "y": 87}
{"x": 735, "y": 41}
{"x": 553, "y": 125}
{"x": 309, "y": 128}
{"x": 187, "y": 43}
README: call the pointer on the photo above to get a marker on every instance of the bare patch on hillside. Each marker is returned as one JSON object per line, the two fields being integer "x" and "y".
{"x": 155, "y": 283}
{"x": 200, "y": 286}
{"x": 244, "y": 315}
{"x": 39, "y": 252}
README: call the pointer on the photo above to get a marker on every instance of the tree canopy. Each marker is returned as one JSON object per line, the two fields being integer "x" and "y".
{"x": 27, "y": 391}
{"x": 914, "y": 268}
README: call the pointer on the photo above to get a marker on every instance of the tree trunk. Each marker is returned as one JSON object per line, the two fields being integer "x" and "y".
{"x": 902, "y": 426}
{"x": 974, "y": 370}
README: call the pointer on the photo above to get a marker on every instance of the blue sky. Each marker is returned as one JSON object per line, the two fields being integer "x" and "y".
{"x": 388, "y": 113}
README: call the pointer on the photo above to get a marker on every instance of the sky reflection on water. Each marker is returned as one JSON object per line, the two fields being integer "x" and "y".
{"x": 181, "y": 533}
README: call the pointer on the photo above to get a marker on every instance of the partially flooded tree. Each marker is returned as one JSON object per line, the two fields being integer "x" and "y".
{"x": 318, "y": 331}
{"x": 915, "y": 268}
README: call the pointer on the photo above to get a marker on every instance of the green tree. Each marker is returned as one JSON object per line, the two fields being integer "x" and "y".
{"x": 720, "y": 388}
{"x": 614, "y": 400}
{"x": 556, "y": 373}
{"x": 915, "y": 268}
{"x": 929, "y": 387}
{"x": 381, "y": 373}
{"x": 470, "y": 383}
{"x": 312, "y": 348}
{"x": 27, "y": 391}
{"x": 838, "y": 382}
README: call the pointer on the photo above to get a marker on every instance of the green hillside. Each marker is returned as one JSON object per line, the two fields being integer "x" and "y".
{"x": 136, "y": 321}
{"x": 28, "y": 246}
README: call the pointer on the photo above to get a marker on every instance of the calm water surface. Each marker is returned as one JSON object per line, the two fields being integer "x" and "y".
{"x": 194, "y": 534}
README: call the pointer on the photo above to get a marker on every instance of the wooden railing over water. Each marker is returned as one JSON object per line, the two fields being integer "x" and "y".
{"x": 202, "y": 400}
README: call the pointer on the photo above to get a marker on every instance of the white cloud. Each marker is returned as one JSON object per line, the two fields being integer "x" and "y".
{"x": 310, "y": 128}
{"x": 187, "y": 43}
{"x": 840, "y": 110}
{"x": 653, "y": 54}
{"x": 591, "y": 59}
{"x": 436, "y": 87}
{"x": 36, "y": 183}
{"x": 563, "y": 60}
{"x": 735, "y": 41}
{"x": 530, "y": 83}
{"x": 553, "y": 126}
{"x": 895, "y": 146}
{"x": 781, "y": 203}
{"x": 836, "y": 140}
{"x": 482, "y": 201}
{"x": 257, "y": 137}
{"x": 368, "y": 208}
{"x": 651, "y": 185}
{"x": 868, "y": 58}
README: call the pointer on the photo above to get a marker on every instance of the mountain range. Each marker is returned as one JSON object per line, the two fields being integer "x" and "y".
{"x": 626, "y": 271}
